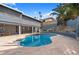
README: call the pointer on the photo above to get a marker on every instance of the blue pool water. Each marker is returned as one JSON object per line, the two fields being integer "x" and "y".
{"x": 36, "y": 40}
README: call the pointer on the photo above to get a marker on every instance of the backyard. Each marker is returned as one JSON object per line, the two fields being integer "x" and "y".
{"x": 69, "y": 46}
{"x": 36, "y": 35}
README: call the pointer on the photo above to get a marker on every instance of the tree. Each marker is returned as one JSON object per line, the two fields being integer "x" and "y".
{"x": 66, "y": 12}
{"x": 40, "y": 15}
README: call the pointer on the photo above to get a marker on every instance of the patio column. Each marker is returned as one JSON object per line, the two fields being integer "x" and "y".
{"x": 19, "y": 29}
{"x": 39, "y": 29}
{"x": 36, "y": 30}
{"x": 32, "y": 29}
{"x": 19, "y": 25}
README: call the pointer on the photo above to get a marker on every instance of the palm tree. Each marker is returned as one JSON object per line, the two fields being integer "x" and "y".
{"x": 66, "y": 12}
{"x": 40, "y": 15}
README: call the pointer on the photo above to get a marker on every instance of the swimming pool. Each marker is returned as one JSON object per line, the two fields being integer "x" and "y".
{"x": 36, "y": 40}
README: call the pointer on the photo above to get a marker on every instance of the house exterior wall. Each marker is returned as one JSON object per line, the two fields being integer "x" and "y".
{"x": 10, "y": 18}
{"x": 10, "y": 29}
{"x": 49, "y": 24}
{"x": 7, "y": 29}
{"x": 7, "y": 15}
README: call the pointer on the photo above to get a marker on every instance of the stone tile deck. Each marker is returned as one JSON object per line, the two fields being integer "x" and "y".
{"x": 61, "y": 45}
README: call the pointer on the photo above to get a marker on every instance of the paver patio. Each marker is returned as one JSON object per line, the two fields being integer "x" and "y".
{"x": 61, "y": 45}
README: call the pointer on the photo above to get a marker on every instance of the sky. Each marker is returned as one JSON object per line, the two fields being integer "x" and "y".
{"x": 33, "y": 9}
